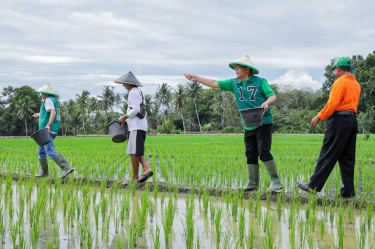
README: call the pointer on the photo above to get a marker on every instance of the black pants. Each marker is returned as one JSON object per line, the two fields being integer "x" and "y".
{"x": 258, "y": 144}
{"x": 339, "y": 144}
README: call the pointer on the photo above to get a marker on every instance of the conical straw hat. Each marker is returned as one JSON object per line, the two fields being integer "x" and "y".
{"x": 47, "y": 89}
{"x": 244, "y": 61}
{"x": 128, "y": 78}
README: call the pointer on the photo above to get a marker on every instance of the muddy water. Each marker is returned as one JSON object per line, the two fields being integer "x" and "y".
{"x": 259, "y": 217}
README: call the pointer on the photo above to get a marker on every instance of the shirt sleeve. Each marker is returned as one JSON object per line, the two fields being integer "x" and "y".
{"x": 225, "y": 85}
{"x": 335, "y": 96}
{"x": 134, "y": 101}
{"x": 267, "y": 89}
{"x": 48, "y": 104}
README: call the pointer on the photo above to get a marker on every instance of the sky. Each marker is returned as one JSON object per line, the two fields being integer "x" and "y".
{"x": 77, "y": 45}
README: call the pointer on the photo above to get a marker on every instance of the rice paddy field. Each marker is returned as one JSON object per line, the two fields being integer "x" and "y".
{"x": 193, "y": 200}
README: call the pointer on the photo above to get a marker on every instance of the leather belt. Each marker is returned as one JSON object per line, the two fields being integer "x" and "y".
{"x": 346, "y": 113}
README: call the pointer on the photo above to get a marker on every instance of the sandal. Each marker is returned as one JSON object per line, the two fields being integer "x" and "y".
{"x": 127, "y": 182}
{"x": 144, "y": 177}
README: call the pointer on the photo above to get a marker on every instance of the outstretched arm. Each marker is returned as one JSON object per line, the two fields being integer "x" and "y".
{"x": 207, "y": 82}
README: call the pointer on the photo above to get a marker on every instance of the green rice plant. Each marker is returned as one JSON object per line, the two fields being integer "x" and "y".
{"x": 278, "y": 207}
{"x": 234, "y": 206}
{"x": 103, "y": 207}
{"x": 105, "y": 230}
{"x": 22, "y": 241}
{"x": 96, "y": 216}
{"x": 350, "y": 212}
{"x": 269, "y": 240}
{"x": 258, "y": 204}
{"x": 241, "y": 226}
{"x": 189, "y": 222}
{"x": 66, "y": 199}
{"x": 302, "y": 233}
{"x": 167, "y": 221}
{"x": 156, "y": 192}
{"x": 156, "y": 238}
{"x": 89, "y": 238}
{"x": 292, "y": 236}
{"x": 125, "y": 209}
{"x": 162, "y": 198}
{"x": 151, "y": 211}
{"x": 56, "y": 233}
{"x": 200, "y": 193}
{"x": 218, "y": 226}
{"x": 71, "y": 213}
{"x": 133, "y": 232}
{"x": 251, "y": 204}
{"x": 2, "y": 226}
{"x": 340, "y": 229}
{"x": 206, "y": 199}
{"x": 292, "y": 216}
{"x": 143, "y": 218}
{"x": 116, "y": 221}
{"x": 361, "y": 235}
{"x": 251, "y": 236}
{"x": 14, "y": 232}
{"x": 268, "y": 199}
{"x": 212, "y": 213}
{"x": 310, "y": 239}
{"x": 369, "y": 211}
{"x": 103, "y": 184}
{"x": 331, "y": 214}
{"x": 322, "y": 228}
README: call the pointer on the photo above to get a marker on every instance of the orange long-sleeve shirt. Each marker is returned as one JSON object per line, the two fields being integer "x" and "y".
{"x": 344, "y": 96}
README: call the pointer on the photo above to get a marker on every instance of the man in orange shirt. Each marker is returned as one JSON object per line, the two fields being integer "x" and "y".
{"x": 340, "y": 138}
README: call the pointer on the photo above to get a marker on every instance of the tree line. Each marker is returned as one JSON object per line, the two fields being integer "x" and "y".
{"x": 187, "y": 108}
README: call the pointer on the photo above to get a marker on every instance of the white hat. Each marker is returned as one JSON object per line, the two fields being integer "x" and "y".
{"x": 244, "y": 61}
{"x": 47, "y": 89}
{"x": 128, "y": 78}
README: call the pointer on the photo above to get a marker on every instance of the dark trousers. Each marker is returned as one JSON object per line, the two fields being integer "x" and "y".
{"x": 258, "y": 144}
{"x": 339, "y": 144}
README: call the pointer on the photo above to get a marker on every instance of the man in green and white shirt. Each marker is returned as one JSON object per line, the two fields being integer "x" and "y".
{"x": 251, "y": 91}
{"x": 49, "y": 118}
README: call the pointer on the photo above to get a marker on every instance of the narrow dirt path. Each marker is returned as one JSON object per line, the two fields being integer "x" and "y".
{"x": 214, "y": 192}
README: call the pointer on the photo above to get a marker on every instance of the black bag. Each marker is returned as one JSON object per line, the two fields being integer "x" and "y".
{"x": 142, "y": 113}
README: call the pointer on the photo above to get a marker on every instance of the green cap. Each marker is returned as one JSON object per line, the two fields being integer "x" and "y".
{"x": 342, "y": 62}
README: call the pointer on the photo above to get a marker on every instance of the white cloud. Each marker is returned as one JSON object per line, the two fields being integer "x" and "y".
{"x": 82, "y": 43}
{"x": 51, "y": 59}
{"x": 299, "y": 79}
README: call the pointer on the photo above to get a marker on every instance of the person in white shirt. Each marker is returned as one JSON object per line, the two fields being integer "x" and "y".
{"x": 137, "y": 128}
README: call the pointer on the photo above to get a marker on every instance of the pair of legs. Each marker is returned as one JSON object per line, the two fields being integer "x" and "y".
{"x": 136, "y": 149}
{"x": 258, "y": 145}
{"x": 339, "y": 145}
{"x": 135, "y": 166}
{"x": 49, "y": 150}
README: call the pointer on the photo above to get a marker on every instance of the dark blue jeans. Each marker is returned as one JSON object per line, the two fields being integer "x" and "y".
{"x": 48, "y": 149}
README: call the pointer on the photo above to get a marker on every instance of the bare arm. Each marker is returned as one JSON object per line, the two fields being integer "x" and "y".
{"x": 51, "y": 118}
{"x": 269, "y": 101}
{"x": 205, "y": 81}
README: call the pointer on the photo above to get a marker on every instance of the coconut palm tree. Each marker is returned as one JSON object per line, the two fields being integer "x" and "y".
{"x": 179, "y": 98}
{"x": 82, "y": 104}
{"x": 107, "y": 99}
{"x": 25, "y": 109}
{"x": 164, "y": 96}
{"x": 194, "y": 89}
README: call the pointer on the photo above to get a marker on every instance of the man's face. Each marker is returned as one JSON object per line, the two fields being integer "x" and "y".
{"x": 337, "y": 72}
{"x": 44, "y": 96}
{"x": 242, "y": 72}
{"x": 127, "y": 86}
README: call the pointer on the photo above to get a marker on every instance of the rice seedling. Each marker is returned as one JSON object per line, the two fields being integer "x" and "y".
{"x": 108, "y": 216}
